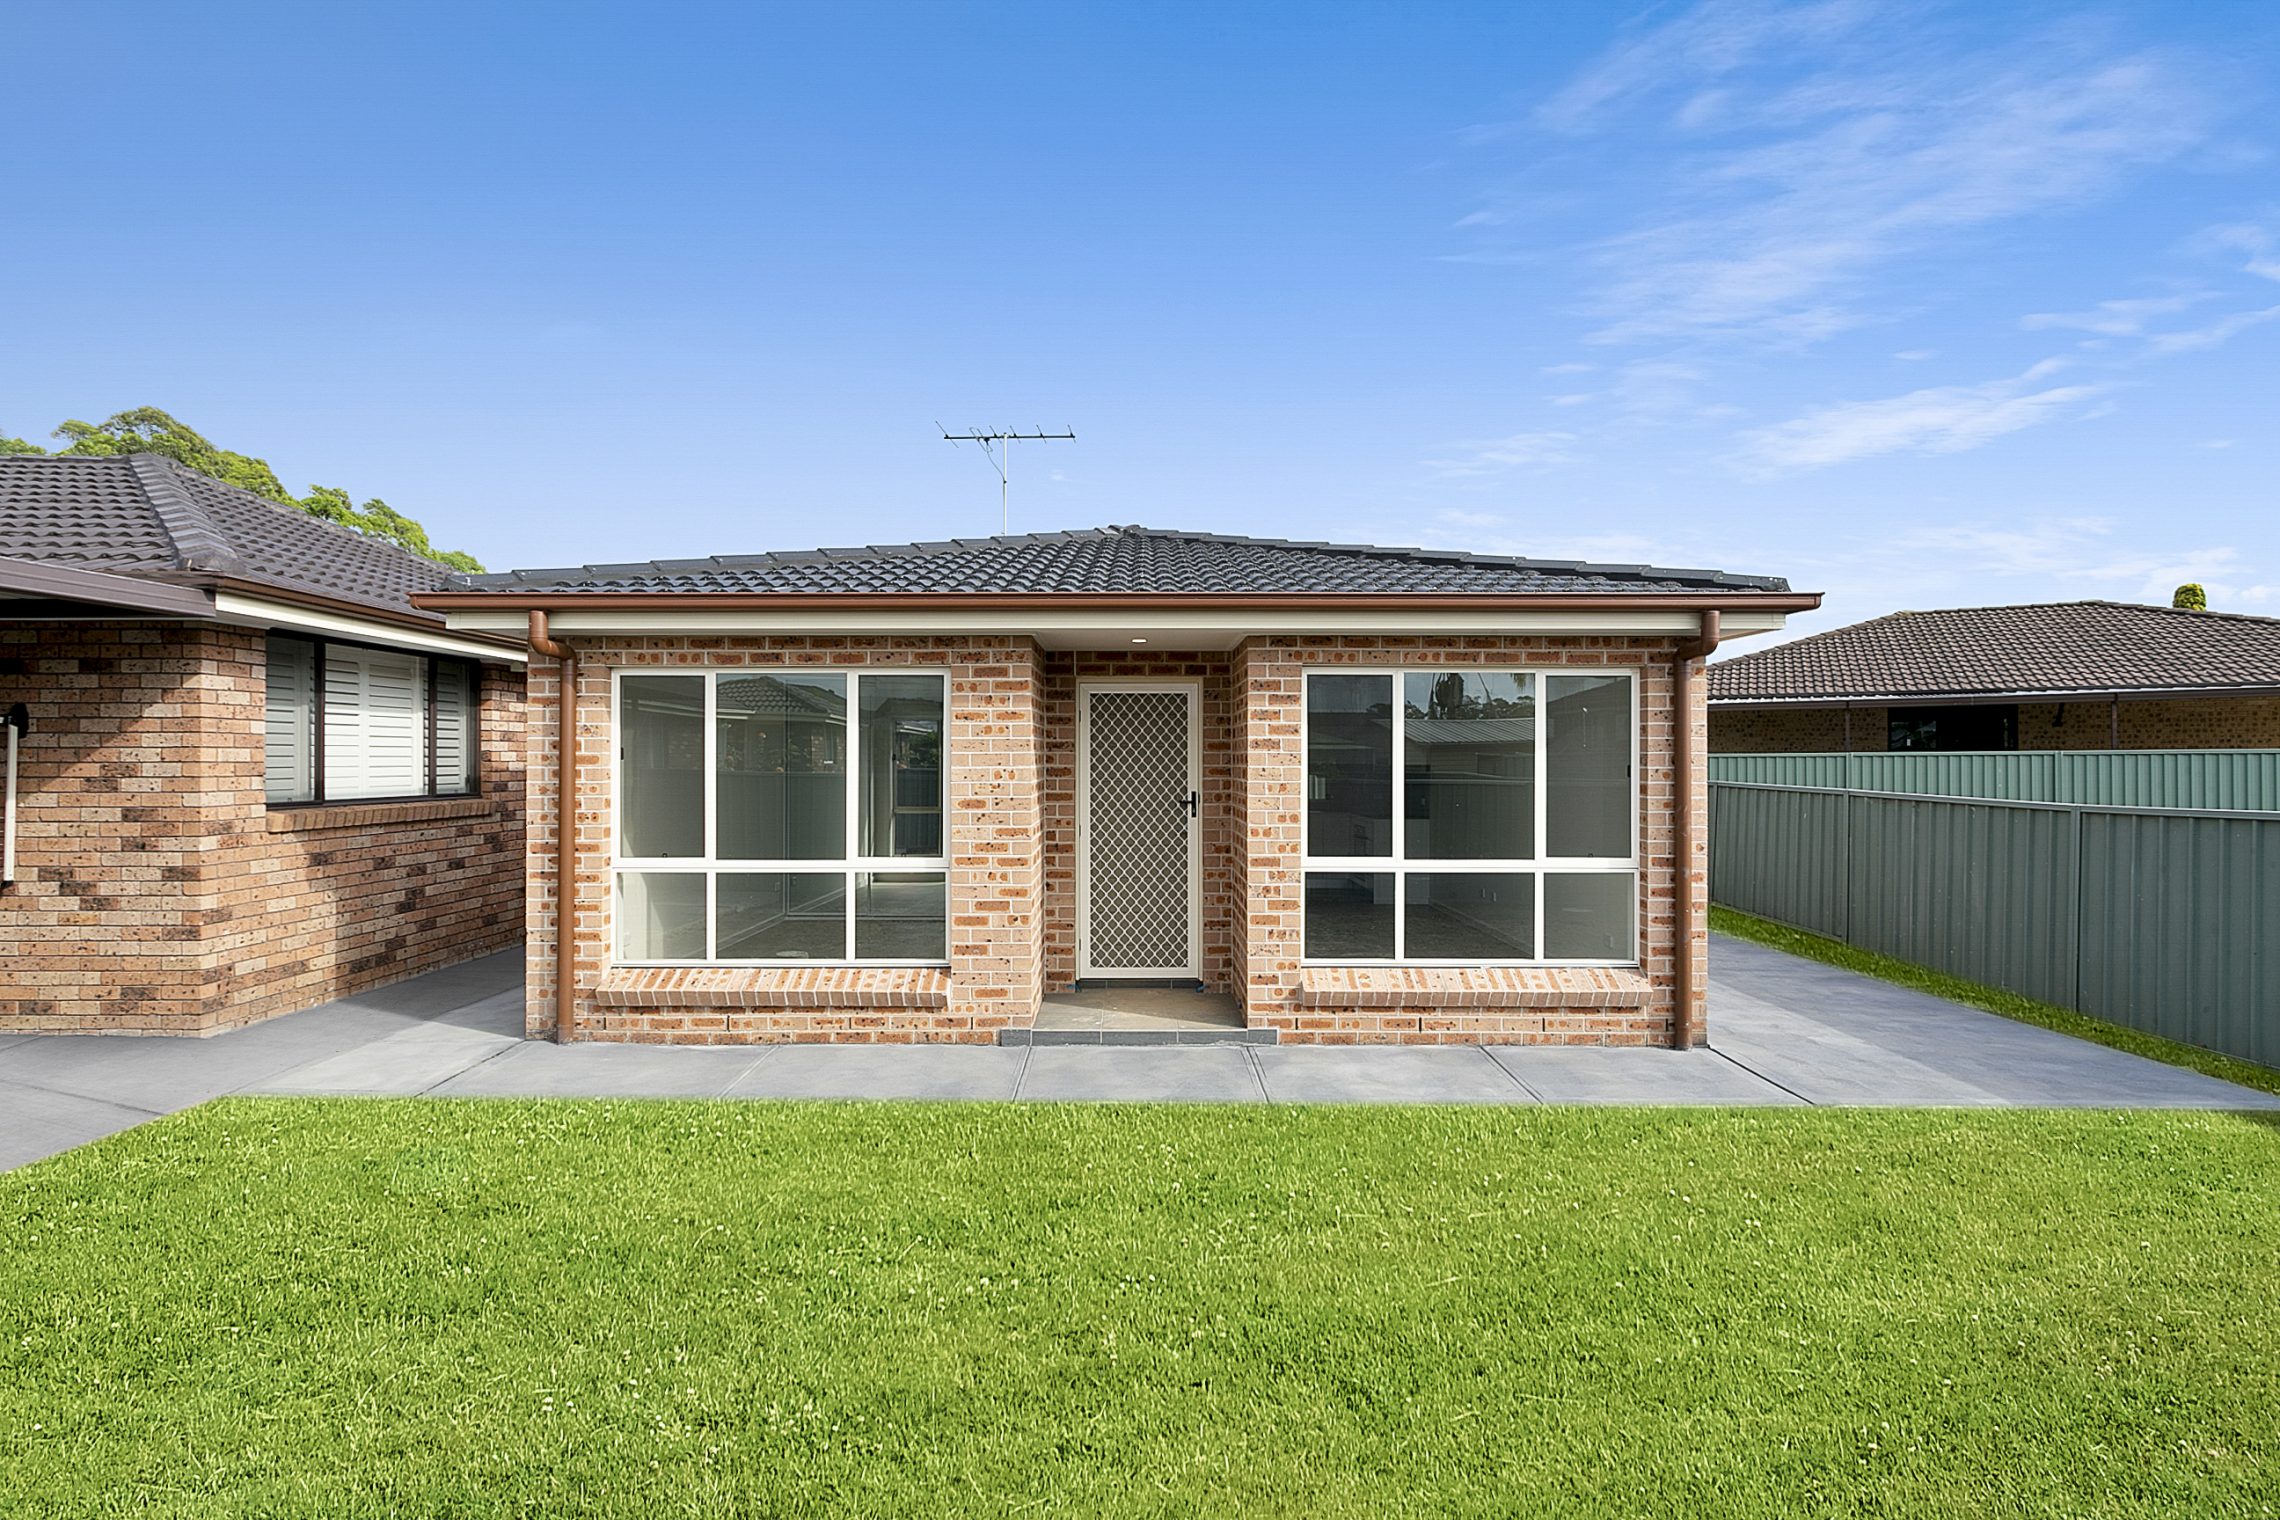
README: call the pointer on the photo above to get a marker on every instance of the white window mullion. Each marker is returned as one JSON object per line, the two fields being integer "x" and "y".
{"x": 1539, "y": 697}
{"x": 711, "y": 856}
{"x": 852, "y": 767}
{"x": 1400, "y": 816}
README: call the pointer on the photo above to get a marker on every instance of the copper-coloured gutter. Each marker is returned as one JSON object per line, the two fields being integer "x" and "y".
{"x": 1682, "y": 761}
{"x": 565, "y": 827}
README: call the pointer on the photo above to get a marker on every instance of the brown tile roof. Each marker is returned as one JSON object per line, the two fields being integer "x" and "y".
{"x": 144, "y": 515}
{"x": 2042, "y": 647}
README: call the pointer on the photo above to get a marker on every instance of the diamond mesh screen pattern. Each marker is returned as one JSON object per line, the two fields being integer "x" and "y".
{"x": 1137, "y": 830}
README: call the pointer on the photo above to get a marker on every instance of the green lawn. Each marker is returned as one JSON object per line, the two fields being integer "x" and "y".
{"x": 431, "y": 1308}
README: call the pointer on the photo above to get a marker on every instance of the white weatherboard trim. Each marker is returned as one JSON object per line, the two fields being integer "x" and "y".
{"x": 1194, "y": 693}
{"x": 1399, "y": 866}
{"x": 232, "y": 608}
{"x": 1194, "y": 628}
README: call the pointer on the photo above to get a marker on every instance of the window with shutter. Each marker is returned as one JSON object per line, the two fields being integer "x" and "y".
{"x": 347, "y": 722}
{"x": 288, "y": 727}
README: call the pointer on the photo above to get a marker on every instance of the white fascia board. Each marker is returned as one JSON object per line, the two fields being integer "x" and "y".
{"x": 1216, "y": 626}
{"x": 260, "y": 612}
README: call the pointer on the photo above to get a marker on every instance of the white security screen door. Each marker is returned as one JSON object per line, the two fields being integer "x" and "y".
{"x": 1137, "y": 831}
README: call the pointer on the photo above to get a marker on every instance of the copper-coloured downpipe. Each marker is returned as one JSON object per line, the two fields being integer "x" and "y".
{"x": 1683, "y": 1025}
{"x": 565, "y": 828}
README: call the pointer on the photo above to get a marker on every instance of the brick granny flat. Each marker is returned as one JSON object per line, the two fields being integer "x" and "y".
{"x": 910, "y": 793}
{"x": 190, "y": 851}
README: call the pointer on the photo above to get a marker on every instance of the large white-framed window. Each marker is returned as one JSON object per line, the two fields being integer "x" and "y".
{"x": 349, "y": 722}
{"x": 767, "y": 816}
{"x": 1465, "y": 816}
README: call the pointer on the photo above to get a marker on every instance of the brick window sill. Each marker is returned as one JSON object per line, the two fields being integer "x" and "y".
{"x": 312, "y": 817}
{"x": 1472, "y": 987}
{"x": 771, "y": 987}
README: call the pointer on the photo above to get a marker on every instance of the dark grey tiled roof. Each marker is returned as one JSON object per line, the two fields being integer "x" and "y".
{"x": 144, "y": 515}
{"x": 2039, "y": 647}
{"x": 1112, "y": 561}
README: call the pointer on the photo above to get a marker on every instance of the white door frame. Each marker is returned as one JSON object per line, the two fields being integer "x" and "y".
{"x": 1194, "y": 691}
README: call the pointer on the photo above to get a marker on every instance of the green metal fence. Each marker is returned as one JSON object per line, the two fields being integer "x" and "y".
{"x": 2163, "y": 919}
{"x": 2243, "y": 779}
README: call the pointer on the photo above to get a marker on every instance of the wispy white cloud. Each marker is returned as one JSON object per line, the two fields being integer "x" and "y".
{"x": 2081, "y": 554}
{"x": 1496, "y": 456}
{"x": 1707, "y": 43}
{"x": 1943, "y": 419}
{"x": 2115, "y": 319}
{"x": 2259, "y": 241}
{"x": 1821, "y": 143}
{"x": 2210, "y": 336}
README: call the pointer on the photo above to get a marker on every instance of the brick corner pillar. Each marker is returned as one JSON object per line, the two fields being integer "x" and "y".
{"x": 996, "y": 840}
{"x": 1270, "y": 792}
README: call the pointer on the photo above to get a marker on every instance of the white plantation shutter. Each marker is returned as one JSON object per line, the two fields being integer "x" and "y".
{"x": 288, "y": 734}
{"x": 375, "y": 723}
{"x": 454, "y": 728}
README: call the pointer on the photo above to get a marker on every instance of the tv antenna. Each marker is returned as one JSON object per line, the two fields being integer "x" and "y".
{"x": 997, "y": 448}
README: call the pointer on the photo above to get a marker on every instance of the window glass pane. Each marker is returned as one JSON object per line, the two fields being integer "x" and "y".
{"x": 288, "y": 726}
{"x": 1587, "y": 766}
{"x": 777, "y": 915}
{"x": 901, "y": 781}
{"x": 1349, "y": 765}
{"x": 1591, "y": 917}
{"x": 900, "y": 916}
{"x": 1470, "y": 782}
{"x": 1469, "y": 916}
{"x": 660, "y": 916}
{"x": 375, "y": 723}
{"x": 661, "y": 785}
{"x": 1349, "y": 916}
{"x": 454, "y": 727}
{"x": 783, "y": 767}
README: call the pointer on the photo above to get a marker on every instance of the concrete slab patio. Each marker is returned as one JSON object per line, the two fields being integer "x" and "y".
{"x": 1782, "y": 1032}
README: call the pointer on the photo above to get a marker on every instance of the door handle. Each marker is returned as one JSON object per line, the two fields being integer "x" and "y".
{"x": 1194, "y": 805}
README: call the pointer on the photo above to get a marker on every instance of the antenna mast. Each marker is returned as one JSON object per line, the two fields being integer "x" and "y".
{"x": 997, "y": 448}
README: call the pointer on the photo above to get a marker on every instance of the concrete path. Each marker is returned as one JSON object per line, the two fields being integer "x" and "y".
{"x": 1782, "y": 1032}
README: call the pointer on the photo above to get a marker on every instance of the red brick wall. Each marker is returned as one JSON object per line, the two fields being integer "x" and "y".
{"x": 1012, "y": 839}
{"x": 2177, "y": 723}
{"x": 995, "y": 843}
{"x": 155, "y": 896}
{"x": 1427, "y": 1005}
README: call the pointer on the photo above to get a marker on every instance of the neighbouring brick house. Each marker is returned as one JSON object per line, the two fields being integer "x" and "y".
{"x": 254, "y": 776}
{"x": 905, "y": 793}
{"x": 2041, "y": 676}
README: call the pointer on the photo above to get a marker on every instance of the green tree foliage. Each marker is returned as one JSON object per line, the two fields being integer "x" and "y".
{"x": 147, "y": 430}
{"x": 2190, "y": 597}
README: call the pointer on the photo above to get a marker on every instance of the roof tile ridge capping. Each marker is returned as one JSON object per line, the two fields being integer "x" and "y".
{"x": 198, "y": 543}
{"x": 298, "y": 514}
{"x": 2190, "y": 612}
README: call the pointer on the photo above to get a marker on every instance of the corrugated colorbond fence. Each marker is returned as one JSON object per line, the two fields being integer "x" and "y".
{"x": 2166, "y": 919}
{"x": 2233, "y": 779}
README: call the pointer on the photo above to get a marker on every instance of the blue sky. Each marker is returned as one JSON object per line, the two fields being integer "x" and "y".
{"x": 1917, "y": 304}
